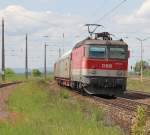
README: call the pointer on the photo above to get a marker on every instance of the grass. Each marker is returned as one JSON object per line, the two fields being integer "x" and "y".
{"x": 40, "y": 111}
{"x": 21, "y": 77}
{"x": 136, "y": 84}
{"x": 14, "y": 78}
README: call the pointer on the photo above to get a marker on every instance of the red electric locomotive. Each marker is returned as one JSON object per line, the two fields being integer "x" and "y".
{"x": 95, "y": 65}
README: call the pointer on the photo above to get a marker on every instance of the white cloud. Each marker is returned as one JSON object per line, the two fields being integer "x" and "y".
{"x": 20, "y": 18}
{"x": 144, "y": 10}
{"x": 139, "y": 16}
{"x": 135, "y": 24}
{"x": 19, "y": 21}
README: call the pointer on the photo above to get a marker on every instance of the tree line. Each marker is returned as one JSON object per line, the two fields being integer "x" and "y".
{"x": 10, "y": 72}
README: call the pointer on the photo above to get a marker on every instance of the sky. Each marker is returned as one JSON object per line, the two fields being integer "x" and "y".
{"x": 45, "y": 21}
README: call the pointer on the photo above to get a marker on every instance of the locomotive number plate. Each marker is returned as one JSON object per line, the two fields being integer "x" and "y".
{"x": 107, "y": 66}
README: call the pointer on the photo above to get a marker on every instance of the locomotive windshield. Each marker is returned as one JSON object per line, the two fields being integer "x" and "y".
{"x": 117, "y": 53}
{"x": 109, "y": 52}
{"x": 97, "y": 52}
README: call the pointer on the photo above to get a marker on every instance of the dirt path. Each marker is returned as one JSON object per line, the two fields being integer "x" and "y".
{"x": 4, "y": 94}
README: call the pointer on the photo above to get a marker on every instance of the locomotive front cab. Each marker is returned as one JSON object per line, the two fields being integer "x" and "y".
{"x": 105, "y": 68}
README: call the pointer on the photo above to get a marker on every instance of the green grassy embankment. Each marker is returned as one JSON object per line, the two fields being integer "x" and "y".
{"x": 21, "y": 77}
{"x": 136, "y": 84}
{"x": 14, "y": 78}
{"x": 38, "y": 110}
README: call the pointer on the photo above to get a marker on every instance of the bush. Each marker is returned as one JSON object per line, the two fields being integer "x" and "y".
{"x": 9, "y": 72}
{"x": 36, "y": 73}
{"x": 138, "y": 127}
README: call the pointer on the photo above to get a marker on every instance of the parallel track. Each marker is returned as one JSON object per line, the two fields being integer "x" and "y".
{"x": 8, "y": 84}
{"x": 139, "y": 92}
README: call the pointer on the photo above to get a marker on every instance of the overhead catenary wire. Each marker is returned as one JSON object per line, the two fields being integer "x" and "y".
{"x": 98, "y": 8}
{"x": 110, "y": 11}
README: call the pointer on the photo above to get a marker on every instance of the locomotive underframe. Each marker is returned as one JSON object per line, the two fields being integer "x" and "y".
{"x": 105, "y": 85}
{"x": 114, "y": 86}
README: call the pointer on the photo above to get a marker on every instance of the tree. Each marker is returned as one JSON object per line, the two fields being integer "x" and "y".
{"x": 9, "y": 72}
{"x": 137, "y": 67}
{"x": 36, "y": 73}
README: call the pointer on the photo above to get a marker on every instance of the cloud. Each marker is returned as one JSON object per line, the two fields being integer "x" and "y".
{"x": 135, "y": 24}
{"x": 139, "y": 16}
{"x": 144, "y": 10}
{"x": 19, "y": 21}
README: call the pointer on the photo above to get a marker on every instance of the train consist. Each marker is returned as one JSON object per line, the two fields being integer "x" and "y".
{"x": 95, "y": 65}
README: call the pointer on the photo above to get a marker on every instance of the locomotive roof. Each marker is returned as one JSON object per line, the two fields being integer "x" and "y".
{"x": 100, "y": 42}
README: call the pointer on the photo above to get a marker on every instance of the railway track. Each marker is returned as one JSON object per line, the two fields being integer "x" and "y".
{"x": 123, "y": 103}
{"x": 137, "y": 95}
{"x": 120, "y": 103}
{"x": 139, "y": 92}
{"x": 8, "y": 84}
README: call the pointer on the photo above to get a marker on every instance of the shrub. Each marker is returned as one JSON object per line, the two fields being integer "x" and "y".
{"x": 36, "y": 73}
{"x": 138, "y": 127}
{"x": 9, "y": 72}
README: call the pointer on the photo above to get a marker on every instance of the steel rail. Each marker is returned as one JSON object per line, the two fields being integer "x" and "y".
{"x": 138, "y": 92}
{"x": 119, "y": 102}
{"x": 8, "y": 84}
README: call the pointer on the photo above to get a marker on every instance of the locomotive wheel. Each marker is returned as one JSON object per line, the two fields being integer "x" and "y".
{"x": 82, "y": 92}
{"x": 73, "y": 85}
{"x": 81, "y": 89}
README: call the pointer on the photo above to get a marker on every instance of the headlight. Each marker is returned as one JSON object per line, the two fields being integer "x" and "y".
{"x": 86, "y": 80}
{"x": 93, "y": 71}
